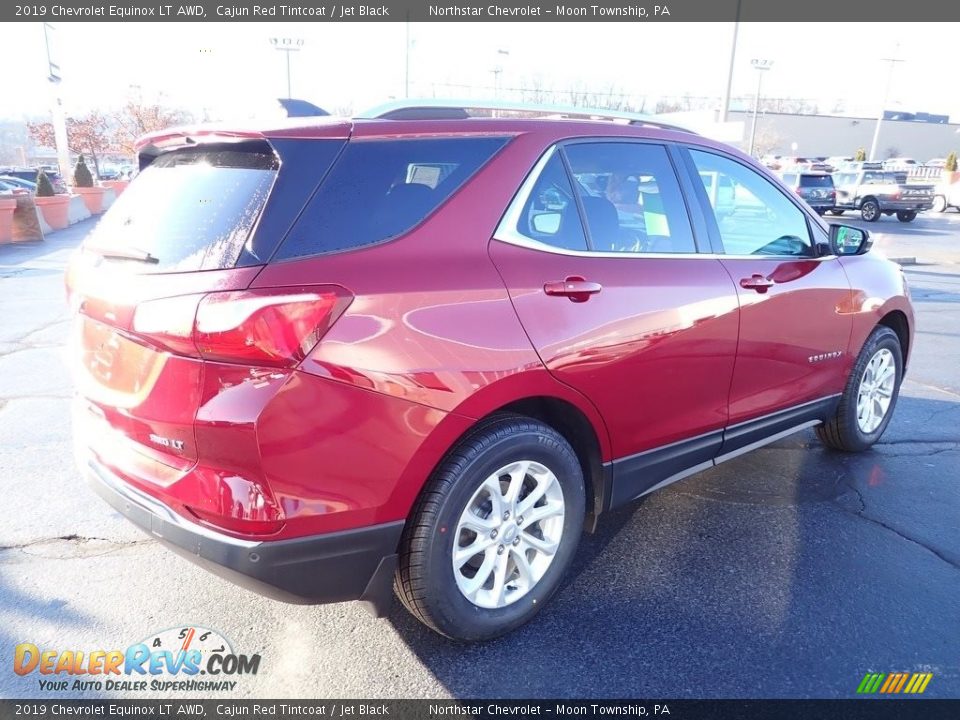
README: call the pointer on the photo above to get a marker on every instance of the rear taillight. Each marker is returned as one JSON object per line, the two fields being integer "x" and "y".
{"x": 275, "y": 327}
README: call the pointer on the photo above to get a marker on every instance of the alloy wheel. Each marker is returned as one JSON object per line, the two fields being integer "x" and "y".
{"x": 508, "y": 534}
{"x": 876, "y": 390}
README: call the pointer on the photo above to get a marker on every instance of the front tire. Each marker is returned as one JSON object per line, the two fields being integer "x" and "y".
{"x": 836, "y": 211}
{"x": 906, "y": 216}
{"x": 494, "y": 531}
{"x": 869, "y": 397}
{"x": 939, "y": 204}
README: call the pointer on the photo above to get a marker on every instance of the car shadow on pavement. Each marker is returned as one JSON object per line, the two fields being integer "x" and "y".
{"x": 783, "y": 573}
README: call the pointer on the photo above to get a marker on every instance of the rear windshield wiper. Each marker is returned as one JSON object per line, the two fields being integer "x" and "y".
{"x": 125, "y": 254}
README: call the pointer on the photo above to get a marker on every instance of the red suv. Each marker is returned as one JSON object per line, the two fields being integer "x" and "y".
{"x": 425, "y": 350}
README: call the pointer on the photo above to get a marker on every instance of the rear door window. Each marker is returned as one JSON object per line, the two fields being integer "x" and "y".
{"x": 190, "y": 209}
{"x": 380, "y": 189}
{"x": 631, "y": 198}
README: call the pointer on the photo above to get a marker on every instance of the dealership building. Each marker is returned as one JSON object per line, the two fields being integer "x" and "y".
{"x": 919, "y": 136}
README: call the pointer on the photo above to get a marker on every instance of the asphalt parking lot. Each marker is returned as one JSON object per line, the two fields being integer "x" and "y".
{"x": 789, "y": 572}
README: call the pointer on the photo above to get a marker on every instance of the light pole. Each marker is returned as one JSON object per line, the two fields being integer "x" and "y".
{"x": 760, "y": 66}
{"x": 725, "y": 101}
{"x": 59, "y": 117}
{"x": 287, "y": 46}
{"x": 886, "y": 96}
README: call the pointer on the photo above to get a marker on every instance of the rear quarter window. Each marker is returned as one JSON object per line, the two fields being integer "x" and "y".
{"x": 380, "y": 189}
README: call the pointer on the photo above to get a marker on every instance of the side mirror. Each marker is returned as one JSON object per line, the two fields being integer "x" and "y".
{"x": 547, "y": 223}
{"x": 849, "y": 240}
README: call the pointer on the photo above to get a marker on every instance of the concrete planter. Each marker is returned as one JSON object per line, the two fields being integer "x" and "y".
{"x": 7, "y": 208}
{"x": 55, "y": 210}
{"x": 92, "y": 198}
{"x": 118, "y": 186}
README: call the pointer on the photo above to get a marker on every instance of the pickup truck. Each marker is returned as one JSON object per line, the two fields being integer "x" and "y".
{"x": 881, "y": 192}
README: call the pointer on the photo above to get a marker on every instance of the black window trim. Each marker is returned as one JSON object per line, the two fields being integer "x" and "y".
{"x": 716, "y": 241}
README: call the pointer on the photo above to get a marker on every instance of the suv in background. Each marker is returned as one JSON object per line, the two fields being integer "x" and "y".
{"x": 59, "y": 186}
{"x": 338, "y": 357}
{"x": 816, "y": 188}
{"x": 881, "y": 192}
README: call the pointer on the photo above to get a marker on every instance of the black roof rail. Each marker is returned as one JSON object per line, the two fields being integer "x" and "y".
{"x": 435, "y": 109}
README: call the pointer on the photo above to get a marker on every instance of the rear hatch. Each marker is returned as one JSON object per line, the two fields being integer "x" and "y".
{"x": 159, "y": 289}
{"x": 816, "y": 189}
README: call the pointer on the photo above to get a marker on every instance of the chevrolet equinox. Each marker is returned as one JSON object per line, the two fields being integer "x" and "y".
{"x": 424, "y": 350}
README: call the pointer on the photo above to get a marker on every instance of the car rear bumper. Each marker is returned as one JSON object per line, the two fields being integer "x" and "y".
{"x": 335, "y": 567}
{"x": 918, "y": 205}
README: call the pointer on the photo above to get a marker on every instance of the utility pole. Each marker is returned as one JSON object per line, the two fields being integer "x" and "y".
{"x": 406, "y": 72}
{"x": 883, "y": 107}
{"x": 497, "y": 70}
{"x": 760, "y": 66}
{"x": 725, "y": 101}
{"x": 59, "y": 117}
{"x": 287, "y": 46}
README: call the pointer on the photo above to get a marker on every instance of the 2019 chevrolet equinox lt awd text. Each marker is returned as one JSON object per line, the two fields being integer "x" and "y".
{"x": 425, "y": 350}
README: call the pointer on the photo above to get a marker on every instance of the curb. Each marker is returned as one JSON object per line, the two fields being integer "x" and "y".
{"x": 904, "y": 260}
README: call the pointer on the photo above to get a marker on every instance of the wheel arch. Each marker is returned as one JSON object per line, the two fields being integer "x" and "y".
{"x": 576, "y": 428}
{"x": 897, "y": 321}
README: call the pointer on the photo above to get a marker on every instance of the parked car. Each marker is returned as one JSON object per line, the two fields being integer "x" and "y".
{"x": 857, "y": 165}
{"x": 936, "y": 162}
{"x": 26, "y": 185}
{"x": 108, "y": 173}
{"x": 816, "y": 188}
{"x": 59, "y": 186}
{"x": 838, "y": 161}
{"x": 12, "y": 188}
{"x": 899, "y": 163}
{"x": 426, "y": 353}
{"x": 881, "y": 192}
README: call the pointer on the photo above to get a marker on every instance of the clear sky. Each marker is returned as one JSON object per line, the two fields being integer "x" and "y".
{"x": 228, "y": 68}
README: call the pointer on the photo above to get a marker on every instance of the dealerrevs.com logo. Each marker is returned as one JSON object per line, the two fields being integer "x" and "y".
{"x": 186, "y": 659}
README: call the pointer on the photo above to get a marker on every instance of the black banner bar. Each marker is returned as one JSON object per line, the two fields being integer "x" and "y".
{"x": 855, "y": 11}
{"x": 865, "y": 709}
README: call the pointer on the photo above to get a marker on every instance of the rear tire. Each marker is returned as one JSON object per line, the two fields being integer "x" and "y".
{"x": 906, "y": 216}
{"x": 870, "y": 396}
{"x": 870, "y": 210}
{"x": 507, "y": 467}
{"x": 836, "y": 211}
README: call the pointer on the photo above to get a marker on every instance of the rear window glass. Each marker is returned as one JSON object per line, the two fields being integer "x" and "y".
{"x": 190, "y": 209}
{"x": 379, "y": 189}
{"x": 816, "y": 181}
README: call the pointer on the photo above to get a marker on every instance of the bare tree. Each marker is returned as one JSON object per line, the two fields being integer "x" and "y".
{"x": 139, "y": 117}
{"x": 91, "y": 134}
